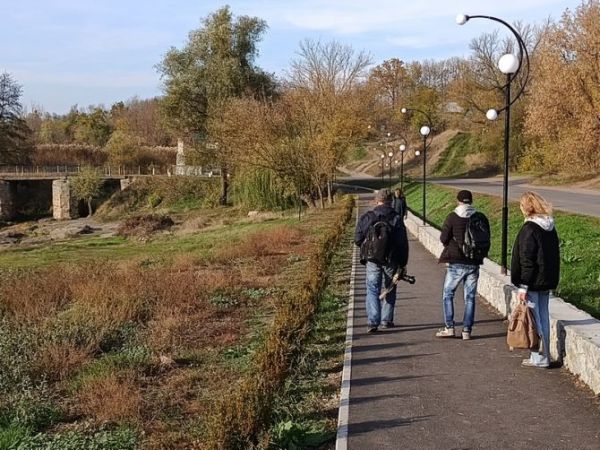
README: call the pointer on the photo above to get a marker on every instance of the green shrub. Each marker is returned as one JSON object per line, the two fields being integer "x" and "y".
{"x": 119, "y": 439}
{"x": 154, "y": 200}
{"x": 261, "y": 189}
{"x": 11, "y": 435}
{"x": 359, "y": 153}
{"x": 171, "y": 193}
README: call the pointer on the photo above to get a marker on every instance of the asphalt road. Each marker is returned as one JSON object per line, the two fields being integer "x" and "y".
{"x": 580, "y": 201}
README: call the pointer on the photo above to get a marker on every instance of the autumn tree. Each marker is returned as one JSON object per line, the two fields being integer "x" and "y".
{"x": 122, "y": 149}
{"x": 15, "y": 144}
{"x": 216, "y": 64}
{"x": 563, "y": 116}
{"x": 87, "y": 185}
{"x": 391, "y": 79}
{"x": 141, "y": 120}
{"x": 327, "y": 86}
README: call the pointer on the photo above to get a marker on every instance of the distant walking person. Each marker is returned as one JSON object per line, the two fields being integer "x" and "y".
{"x": 535, "y": 268}
{"x": 399, "y": 203}
{"x": 381, "y": 235}
{"x": 466, "y": 238}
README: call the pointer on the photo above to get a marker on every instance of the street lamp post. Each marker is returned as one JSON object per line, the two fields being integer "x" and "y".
{"x": 402, "y": 149}
{"x": 391, "y": 156}
{"x": 382, "y": 162}
{"x": 510, "y": 65}
{"x": 425, "y": 131}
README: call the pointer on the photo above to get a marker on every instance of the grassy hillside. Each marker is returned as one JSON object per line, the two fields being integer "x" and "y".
{"x": 166, "y": 194}
{"x": 462, "y": 157}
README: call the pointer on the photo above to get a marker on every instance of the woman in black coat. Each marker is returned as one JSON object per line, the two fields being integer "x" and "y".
{"x": 399, "y": 203}
{"x": 535, "y": 268}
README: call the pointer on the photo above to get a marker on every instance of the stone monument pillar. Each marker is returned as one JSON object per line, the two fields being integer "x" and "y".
{"x": 180, "y": 161}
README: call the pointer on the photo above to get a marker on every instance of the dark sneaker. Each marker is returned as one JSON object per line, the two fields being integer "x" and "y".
{"x": 387, "y": 325}
{"x": 371, "y": 329}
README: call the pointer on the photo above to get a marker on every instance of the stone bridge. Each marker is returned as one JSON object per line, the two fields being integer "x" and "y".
{"x": 51, "y": 185}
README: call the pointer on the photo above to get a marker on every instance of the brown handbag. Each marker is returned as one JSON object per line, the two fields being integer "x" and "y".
{"x": 522, "y": 332}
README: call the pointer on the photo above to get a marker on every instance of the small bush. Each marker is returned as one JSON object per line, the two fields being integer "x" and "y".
{"x": 145, "y": 225}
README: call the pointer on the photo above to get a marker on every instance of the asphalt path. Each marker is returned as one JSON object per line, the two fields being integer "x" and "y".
{"x": 579, "y": 201}
{"x": 411, "y": 390}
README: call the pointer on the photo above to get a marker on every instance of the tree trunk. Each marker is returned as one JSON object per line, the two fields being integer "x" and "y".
{"x": 224, "y": 186}
{"x": 89, "y": 202}
{"x": 329, "y": 192}
{"x": 321, "y": 200}
{"x": 310, "y": 202}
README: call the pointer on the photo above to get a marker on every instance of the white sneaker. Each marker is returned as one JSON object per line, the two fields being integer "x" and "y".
{"x": 466, "y": 335}
{"x": 445, "y": 333}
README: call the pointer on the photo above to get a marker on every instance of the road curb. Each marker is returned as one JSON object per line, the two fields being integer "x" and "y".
{"x": 341, "y": 442}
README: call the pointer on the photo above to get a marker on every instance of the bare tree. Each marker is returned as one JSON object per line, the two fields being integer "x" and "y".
{"x": 327, "y": 84}
{"x": 15, "y": 145}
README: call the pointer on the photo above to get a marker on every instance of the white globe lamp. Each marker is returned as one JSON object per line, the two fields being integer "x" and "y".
{"x": 508, "y": 63}
{"x": 491, "y": 114}
{"x": 402, "y": 147}
{"x": 425, "y": 130}
{"x": 461, "y": 19}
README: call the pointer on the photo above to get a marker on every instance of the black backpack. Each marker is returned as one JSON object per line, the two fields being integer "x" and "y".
{"x": 476, "y": 241}
{"x": 378, "y": 244}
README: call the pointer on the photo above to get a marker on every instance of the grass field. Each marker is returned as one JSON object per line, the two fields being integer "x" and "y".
{"x": 114, "y": 343}
{"x": 579, "y": 240}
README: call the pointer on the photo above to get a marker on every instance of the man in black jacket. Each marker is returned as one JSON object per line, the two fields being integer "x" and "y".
{"x": 460, "y": 268}
{"x": 396, "y": 259}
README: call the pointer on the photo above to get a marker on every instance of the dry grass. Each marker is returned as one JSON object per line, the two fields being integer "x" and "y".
{"x": 112, "y": 398}
{"x": 262, "y": 243}
{"x": 31, "y": 299}
{"x": 193, "y": 310}
{"x": 56, "y": 361}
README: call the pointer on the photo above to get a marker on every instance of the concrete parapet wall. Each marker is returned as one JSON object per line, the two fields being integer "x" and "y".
{"x": 575, "y": 335}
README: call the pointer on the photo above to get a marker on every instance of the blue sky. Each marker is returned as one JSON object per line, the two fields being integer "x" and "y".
{"x": 66, "y": 52}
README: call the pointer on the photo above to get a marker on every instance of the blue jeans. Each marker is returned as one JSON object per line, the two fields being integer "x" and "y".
{"x": 538, "y": 302}
{"x": 379, "y": 311}
{"x": 469, "y": 275}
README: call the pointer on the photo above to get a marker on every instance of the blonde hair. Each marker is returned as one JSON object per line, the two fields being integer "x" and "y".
{"x": 533, "y": 204}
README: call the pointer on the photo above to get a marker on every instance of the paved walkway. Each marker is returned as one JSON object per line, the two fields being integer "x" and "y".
{"x": 410, "y": 390}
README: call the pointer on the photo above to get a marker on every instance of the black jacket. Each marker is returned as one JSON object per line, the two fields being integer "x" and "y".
{"x": 399, "y": 253}
{"x": 452, "y": 236}
{"x": 535, "y": 258}
{"x": 399, "y": 204}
